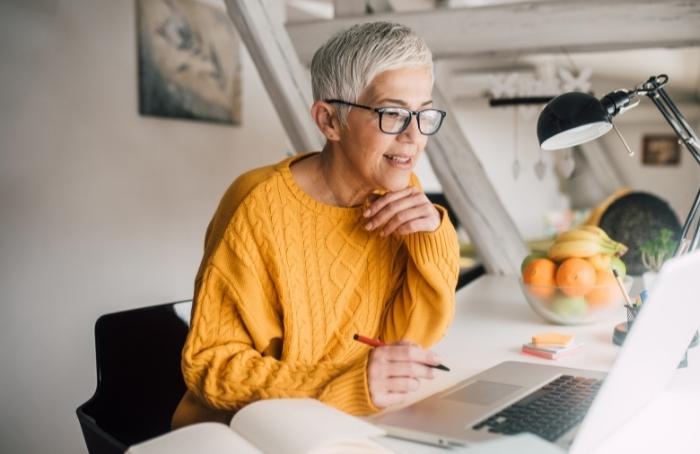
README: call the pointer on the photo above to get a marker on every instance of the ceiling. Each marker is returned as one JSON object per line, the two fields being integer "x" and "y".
{"x": 624, "y": 68}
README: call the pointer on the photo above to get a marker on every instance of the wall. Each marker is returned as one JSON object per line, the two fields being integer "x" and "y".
{"x": 100, "y": 209}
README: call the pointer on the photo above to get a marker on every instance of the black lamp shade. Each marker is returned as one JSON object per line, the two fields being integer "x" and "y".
{"x": 571, "y": 119}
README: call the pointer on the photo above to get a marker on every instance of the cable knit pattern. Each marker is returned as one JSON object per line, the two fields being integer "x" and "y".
{"x": 286, "y": 281}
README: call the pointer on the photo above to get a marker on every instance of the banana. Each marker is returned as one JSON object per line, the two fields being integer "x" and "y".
{"x": 595, "y": 229}
{"x": 593, "y": 234}
{"x": 562, "y": 250}
{"x": 581, "y": 234}
{"x": 620, "y": 249}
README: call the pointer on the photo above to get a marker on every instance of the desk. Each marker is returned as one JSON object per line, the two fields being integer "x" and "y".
{"x": 492, "y": 320}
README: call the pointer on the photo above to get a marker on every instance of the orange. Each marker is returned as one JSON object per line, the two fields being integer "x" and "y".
{"x": 576, "y": 276}
{"x": 539, "y": 274}
{"x": 606, "y": 290}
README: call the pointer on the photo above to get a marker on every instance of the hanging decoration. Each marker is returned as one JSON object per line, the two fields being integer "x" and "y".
{"x": 565, "y": 163}
{"x": 530, "y": 91}
{"x": 516, "y": 163}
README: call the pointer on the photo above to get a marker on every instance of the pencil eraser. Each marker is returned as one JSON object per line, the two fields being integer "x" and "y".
{"x": 554, "y": 339}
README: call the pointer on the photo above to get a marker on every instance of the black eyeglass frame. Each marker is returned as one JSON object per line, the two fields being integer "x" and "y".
{"x": 381, "y": 110}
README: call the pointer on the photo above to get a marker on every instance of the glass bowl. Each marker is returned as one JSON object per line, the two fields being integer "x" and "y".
{"x": 576, "y": 306}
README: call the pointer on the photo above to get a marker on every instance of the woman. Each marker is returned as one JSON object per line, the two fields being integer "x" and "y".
{"x": 302, "y": 255}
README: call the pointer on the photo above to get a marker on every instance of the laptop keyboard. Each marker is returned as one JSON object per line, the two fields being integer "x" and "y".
{"x": 549, "y": 412}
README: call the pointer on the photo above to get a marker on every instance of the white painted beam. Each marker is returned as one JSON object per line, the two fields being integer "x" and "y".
{"x": 529, "y": 28}
{"x": 285, "y": 79}
{"x": 476, "y": 84}
{"x": 307, "y": 10}
{"x": 345, "y": 8}
{"x": 379, "y": 6}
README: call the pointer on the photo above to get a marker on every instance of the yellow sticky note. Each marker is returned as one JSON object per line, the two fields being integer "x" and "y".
{"x": 558, "y": 339}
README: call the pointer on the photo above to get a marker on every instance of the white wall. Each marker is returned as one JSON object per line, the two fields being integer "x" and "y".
{"x": 100, "y": 209}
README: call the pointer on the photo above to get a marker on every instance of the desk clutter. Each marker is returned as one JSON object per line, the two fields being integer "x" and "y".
{"x": 552, "y": 345}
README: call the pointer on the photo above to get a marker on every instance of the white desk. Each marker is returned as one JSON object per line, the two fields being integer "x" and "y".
{"x": 493, "y": 320}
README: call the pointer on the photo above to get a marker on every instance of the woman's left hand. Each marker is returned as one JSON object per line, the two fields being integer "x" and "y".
{"x": 406, "y": 211}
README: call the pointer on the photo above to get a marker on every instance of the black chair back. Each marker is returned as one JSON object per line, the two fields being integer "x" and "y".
{"x": 139, "y": 381}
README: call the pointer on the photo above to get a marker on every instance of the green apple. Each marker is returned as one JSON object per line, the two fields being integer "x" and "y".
{"x": 569, "y": 306}
{"x": 618, "y": 265}
{"x": 530, "y": 258}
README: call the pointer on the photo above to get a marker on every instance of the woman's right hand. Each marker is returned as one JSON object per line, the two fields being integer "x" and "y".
{"x": 394, "y": 371}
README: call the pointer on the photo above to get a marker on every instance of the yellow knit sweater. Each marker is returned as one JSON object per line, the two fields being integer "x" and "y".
{"x": 284, "y": 284}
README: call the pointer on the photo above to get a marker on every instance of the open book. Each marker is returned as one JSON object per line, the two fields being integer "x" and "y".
{"x": 276, "y": 426}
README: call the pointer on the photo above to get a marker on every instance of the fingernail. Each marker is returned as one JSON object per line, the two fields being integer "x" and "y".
{"x": 368, "y": 226}
{"x": 367, "y": 212}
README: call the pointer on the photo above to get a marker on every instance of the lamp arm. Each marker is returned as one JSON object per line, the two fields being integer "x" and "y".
{"x": 686, "y": 244}
{"x": 677, "y": 121}
{"x": 686, "y": 126}
{"x": 696, "y": 235}
{"x": 654, "y": 90}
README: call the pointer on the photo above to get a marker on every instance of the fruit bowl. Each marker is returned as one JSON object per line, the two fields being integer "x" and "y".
{"x": 574, "y": 305}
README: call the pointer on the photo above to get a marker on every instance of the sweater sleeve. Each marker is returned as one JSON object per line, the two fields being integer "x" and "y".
{"x": 423, "y": 305}
{"x": 231, "y": 355}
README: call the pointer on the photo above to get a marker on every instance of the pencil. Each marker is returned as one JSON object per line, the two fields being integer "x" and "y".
{"x": 628, "y": 300}
{"x": 377, "y": 343}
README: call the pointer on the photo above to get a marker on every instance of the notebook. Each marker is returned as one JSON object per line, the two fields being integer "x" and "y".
{"x": 574, "y": 408}
{"x": 275, "y": 426}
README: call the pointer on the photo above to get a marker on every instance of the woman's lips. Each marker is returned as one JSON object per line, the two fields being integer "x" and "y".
{"x": 399, "y": 161}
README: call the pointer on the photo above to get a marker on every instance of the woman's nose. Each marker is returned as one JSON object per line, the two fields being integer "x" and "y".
{"x": 412, "y": 131}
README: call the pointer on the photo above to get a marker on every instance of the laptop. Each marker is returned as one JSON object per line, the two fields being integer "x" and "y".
{"x": 575, "y": 409}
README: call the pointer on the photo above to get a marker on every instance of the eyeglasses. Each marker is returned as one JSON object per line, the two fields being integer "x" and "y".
{"x": 395, "y": 120}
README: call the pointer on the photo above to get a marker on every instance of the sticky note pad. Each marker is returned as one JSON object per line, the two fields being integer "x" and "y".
{"x": 554, "y": 339}
{"x": 550, "y": 354}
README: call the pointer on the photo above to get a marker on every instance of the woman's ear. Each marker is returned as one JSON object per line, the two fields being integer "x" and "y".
{"x": 324, "y": 114}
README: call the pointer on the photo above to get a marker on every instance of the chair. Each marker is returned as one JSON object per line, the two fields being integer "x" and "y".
{"x": 139, "y": 382}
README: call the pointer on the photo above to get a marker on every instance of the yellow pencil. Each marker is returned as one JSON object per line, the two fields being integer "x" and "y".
{"x": 628, "y": 300}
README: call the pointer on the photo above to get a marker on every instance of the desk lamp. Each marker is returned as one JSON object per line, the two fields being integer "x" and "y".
{"x": 574, "y": 118}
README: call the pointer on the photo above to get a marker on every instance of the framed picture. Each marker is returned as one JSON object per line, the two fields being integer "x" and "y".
{"x": 189, "y": 61}
{"x": 661, "y": 150}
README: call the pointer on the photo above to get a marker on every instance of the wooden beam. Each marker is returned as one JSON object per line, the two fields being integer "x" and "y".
{"x": 531, "y": 28}
{"x": 285, "y": 79}
{"x": 378, "y": 6}
{"x": 345, "y": 8}
{"x": 307, "y": 10}
{"x": 476, "y": 84}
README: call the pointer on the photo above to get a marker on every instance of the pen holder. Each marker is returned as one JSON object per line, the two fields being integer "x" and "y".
{"x": 621, "y": 330}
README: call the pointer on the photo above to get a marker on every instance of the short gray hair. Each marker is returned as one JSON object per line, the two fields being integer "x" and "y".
{"x": 346, "y": 64}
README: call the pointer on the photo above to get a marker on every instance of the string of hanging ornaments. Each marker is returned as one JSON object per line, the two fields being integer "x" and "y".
{"x": 525, "y": 93}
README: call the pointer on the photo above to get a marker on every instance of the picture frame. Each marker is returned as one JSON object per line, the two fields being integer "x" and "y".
{"x": 661, "y": 150}
{"x": 189, "y": 61}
